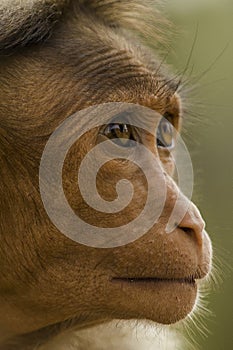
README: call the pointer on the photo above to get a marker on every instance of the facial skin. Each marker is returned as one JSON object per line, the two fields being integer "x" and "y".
{"x": 46, "y": 278}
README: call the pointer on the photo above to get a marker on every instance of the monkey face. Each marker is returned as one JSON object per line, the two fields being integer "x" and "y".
{"x": 158, "y": 266}
{"x": 47, "y": 278}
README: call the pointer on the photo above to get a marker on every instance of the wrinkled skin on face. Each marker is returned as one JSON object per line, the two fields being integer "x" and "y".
{"x": 47, "y": 278}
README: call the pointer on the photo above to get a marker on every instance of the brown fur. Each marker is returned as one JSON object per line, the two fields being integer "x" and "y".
{"x": 58, "y": 57}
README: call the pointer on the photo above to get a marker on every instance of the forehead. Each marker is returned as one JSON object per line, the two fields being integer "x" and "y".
{"x": 104, "y": 64}
{"x": 83, "y": 63}
{"x": 78, "y": 41}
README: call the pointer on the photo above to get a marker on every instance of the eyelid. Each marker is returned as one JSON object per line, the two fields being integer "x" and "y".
{"x": 134, "y": 130}
{"x": 169, "y": 148}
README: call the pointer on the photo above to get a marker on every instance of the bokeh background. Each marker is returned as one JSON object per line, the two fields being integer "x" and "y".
{"x": 209, "y": 137}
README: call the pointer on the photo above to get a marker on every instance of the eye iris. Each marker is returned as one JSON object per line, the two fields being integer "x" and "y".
{"x": 121, "y": 134}
{"x": 165, "y": 136}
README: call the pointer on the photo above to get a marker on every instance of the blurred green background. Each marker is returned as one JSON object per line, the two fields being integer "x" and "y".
{"x": 209, "y": 137}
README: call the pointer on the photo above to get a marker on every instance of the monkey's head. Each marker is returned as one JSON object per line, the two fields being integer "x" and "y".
{"x": 60, "y": 59}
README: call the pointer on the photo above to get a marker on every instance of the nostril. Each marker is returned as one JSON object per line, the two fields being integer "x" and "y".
{"x": 193, "y": 225}
{"x": 188, "y": 230}
{"x": 196, "y": 234}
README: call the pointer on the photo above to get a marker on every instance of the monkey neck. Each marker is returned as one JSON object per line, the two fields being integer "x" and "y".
{"x": 116, "y": 334}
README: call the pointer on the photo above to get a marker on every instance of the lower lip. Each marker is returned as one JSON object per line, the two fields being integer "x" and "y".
{"x": 162, "y": 300}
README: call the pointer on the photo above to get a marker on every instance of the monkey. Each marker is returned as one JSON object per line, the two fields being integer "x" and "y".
{"x": 57, "y": 58}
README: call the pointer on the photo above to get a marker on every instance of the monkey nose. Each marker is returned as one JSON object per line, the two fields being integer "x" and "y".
{"x": 193, "y": 223}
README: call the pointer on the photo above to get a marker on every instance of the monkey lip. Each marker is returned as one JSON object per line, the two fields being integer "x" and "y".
{"x": 145, "y": 280}
{"x": 162, "y": 300}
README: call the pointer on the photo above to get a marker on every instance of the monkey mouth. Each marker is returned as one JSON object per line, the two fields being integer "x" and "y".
{"x": 144, "y": 280}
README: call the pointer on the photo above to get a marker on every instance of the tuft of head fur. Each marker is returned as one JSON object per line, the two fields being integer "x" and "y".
{"x": 24, "y": 22}
{"x": 27, "y": 21}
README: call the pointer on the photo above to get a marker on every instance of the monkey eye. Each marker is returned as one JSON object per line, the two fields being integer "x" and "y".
{"x": 165, "y": 134}
{"x": 121, "y": 134}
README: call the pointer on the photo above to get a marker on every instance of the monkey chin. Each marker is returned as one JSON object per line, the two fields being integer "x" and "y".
{"x": 164, "y": 301}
